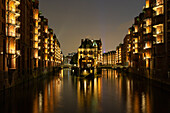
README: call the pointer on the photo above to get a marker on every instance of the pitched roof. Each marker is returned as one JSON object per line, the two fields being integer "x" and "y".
{"x": 87, "y": 44}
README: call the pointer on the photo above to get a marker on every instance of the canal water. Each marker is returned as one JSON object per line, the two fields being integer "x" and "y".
{"x": 113, "y": 92}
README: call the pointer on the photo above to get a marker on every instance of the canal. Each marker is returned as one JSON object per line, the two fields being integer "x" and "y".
{"x": 113, "y": 92}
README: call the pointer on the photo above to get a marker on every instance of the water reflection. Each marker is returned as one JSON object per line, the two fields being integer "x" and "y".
{"x": 62, "y": 93}
{"x": 88, "y": 94}
{"x": 49, "y": 96}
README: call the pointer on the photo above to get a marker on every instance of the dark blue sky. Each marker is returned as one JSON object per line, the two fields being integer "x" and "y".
{"x": 73, "y": 20}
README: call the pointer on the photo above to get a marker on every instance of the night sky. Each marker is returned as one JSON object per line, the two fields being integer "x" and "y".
{"x": 73, "y": 20}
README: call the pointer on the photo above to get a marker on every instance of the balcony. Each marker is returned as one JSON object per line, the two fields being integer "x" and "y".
{"x": 157, "y": 33}
{"x": 146, "y": 48}
{"x": 147, "y": 54}
{"x": 35, "y": 45}
{"x": 39, "y": 26}
{"x": 17, "y": 12}
{"x": 18, "y": 24}
{"x": 18, "y": 36}
{"x": 11, "y": 22}
{"x": 17, "y": 2}
{"x": 159, "y": 39}
{"x": 11, "y": 9}
{"x": 11, "y": 34}
{"x": 157, "y": 5}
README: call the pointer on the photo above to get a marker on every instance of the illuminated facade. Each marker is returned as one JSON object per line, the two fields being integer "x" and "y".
{"x": 27, "y": 45}
{"x": 105, "y": 58}
{"x": 49, "y": 46}
{"x": 147, "y": 42}
{"x": 35, "y": 34}
{"x": 119, "y": 54}
{"x": 12, "y": 32}
{"x": 90, "y": 49}
{"x": 127, "y": 50}
{"x": 58, "y": 57}
{"x": 109, "y": 58}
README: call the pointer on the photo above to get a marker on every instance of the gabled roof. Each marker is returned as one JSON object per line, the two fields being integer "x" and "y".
{"x": 87, "y": 44}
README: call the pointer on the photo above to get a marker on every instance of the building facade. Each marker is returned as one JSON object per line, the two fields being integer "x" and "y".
{"x": 90, "y": 49}
{"x": 146, "y": 46}
{"x": 3, "y": 65}
{"x": 27, "y": 45}
{"x": 119, "y": 54}
{"x": 109, "y": 58}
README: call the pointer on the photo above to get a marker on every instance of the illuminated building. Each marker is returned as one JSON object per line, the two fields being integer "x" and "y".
{"x": 27, "y": 44}
{"x": 161, "y": 32}
{"x": 43, "y": 42}
{"x": 109, "y": 58}
{"x": 51, "y": 48}
{"x": 12, "y": 32}
{"x": 90, "y": 49}
{"x": 119, "y": 54}
{"x": 127, "y": 51}
{"x": 35, "y": 34}
{"x": 105, "y": 58}
{"x": 147, "y": 42}
{"x": 57, "y": 52}
{"x": 113, "y": 57}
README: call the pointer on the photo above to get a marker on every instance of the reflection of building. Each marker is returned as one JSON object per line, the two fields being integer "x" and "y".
{"x": 49, "y": 98}
{"x": 91, "y": 49}
{"x": 89, "y": 93}
{"x": 136, "y": 93}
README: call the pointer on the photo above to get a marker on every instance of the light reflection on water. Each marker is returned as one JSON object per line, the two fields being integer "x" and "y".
{"x": 62, "y": 93}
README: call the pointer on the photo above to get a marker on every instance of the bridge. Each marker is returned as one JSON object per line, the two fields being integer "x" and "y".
{"x": 113, "y": 66}
{"x": 102, "y": 66}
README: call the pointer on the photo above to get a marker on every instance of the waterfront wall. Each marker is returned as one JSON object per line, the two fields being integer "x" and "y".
{"x": 11, "y": 79}
{"x": 156, "y": 75}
